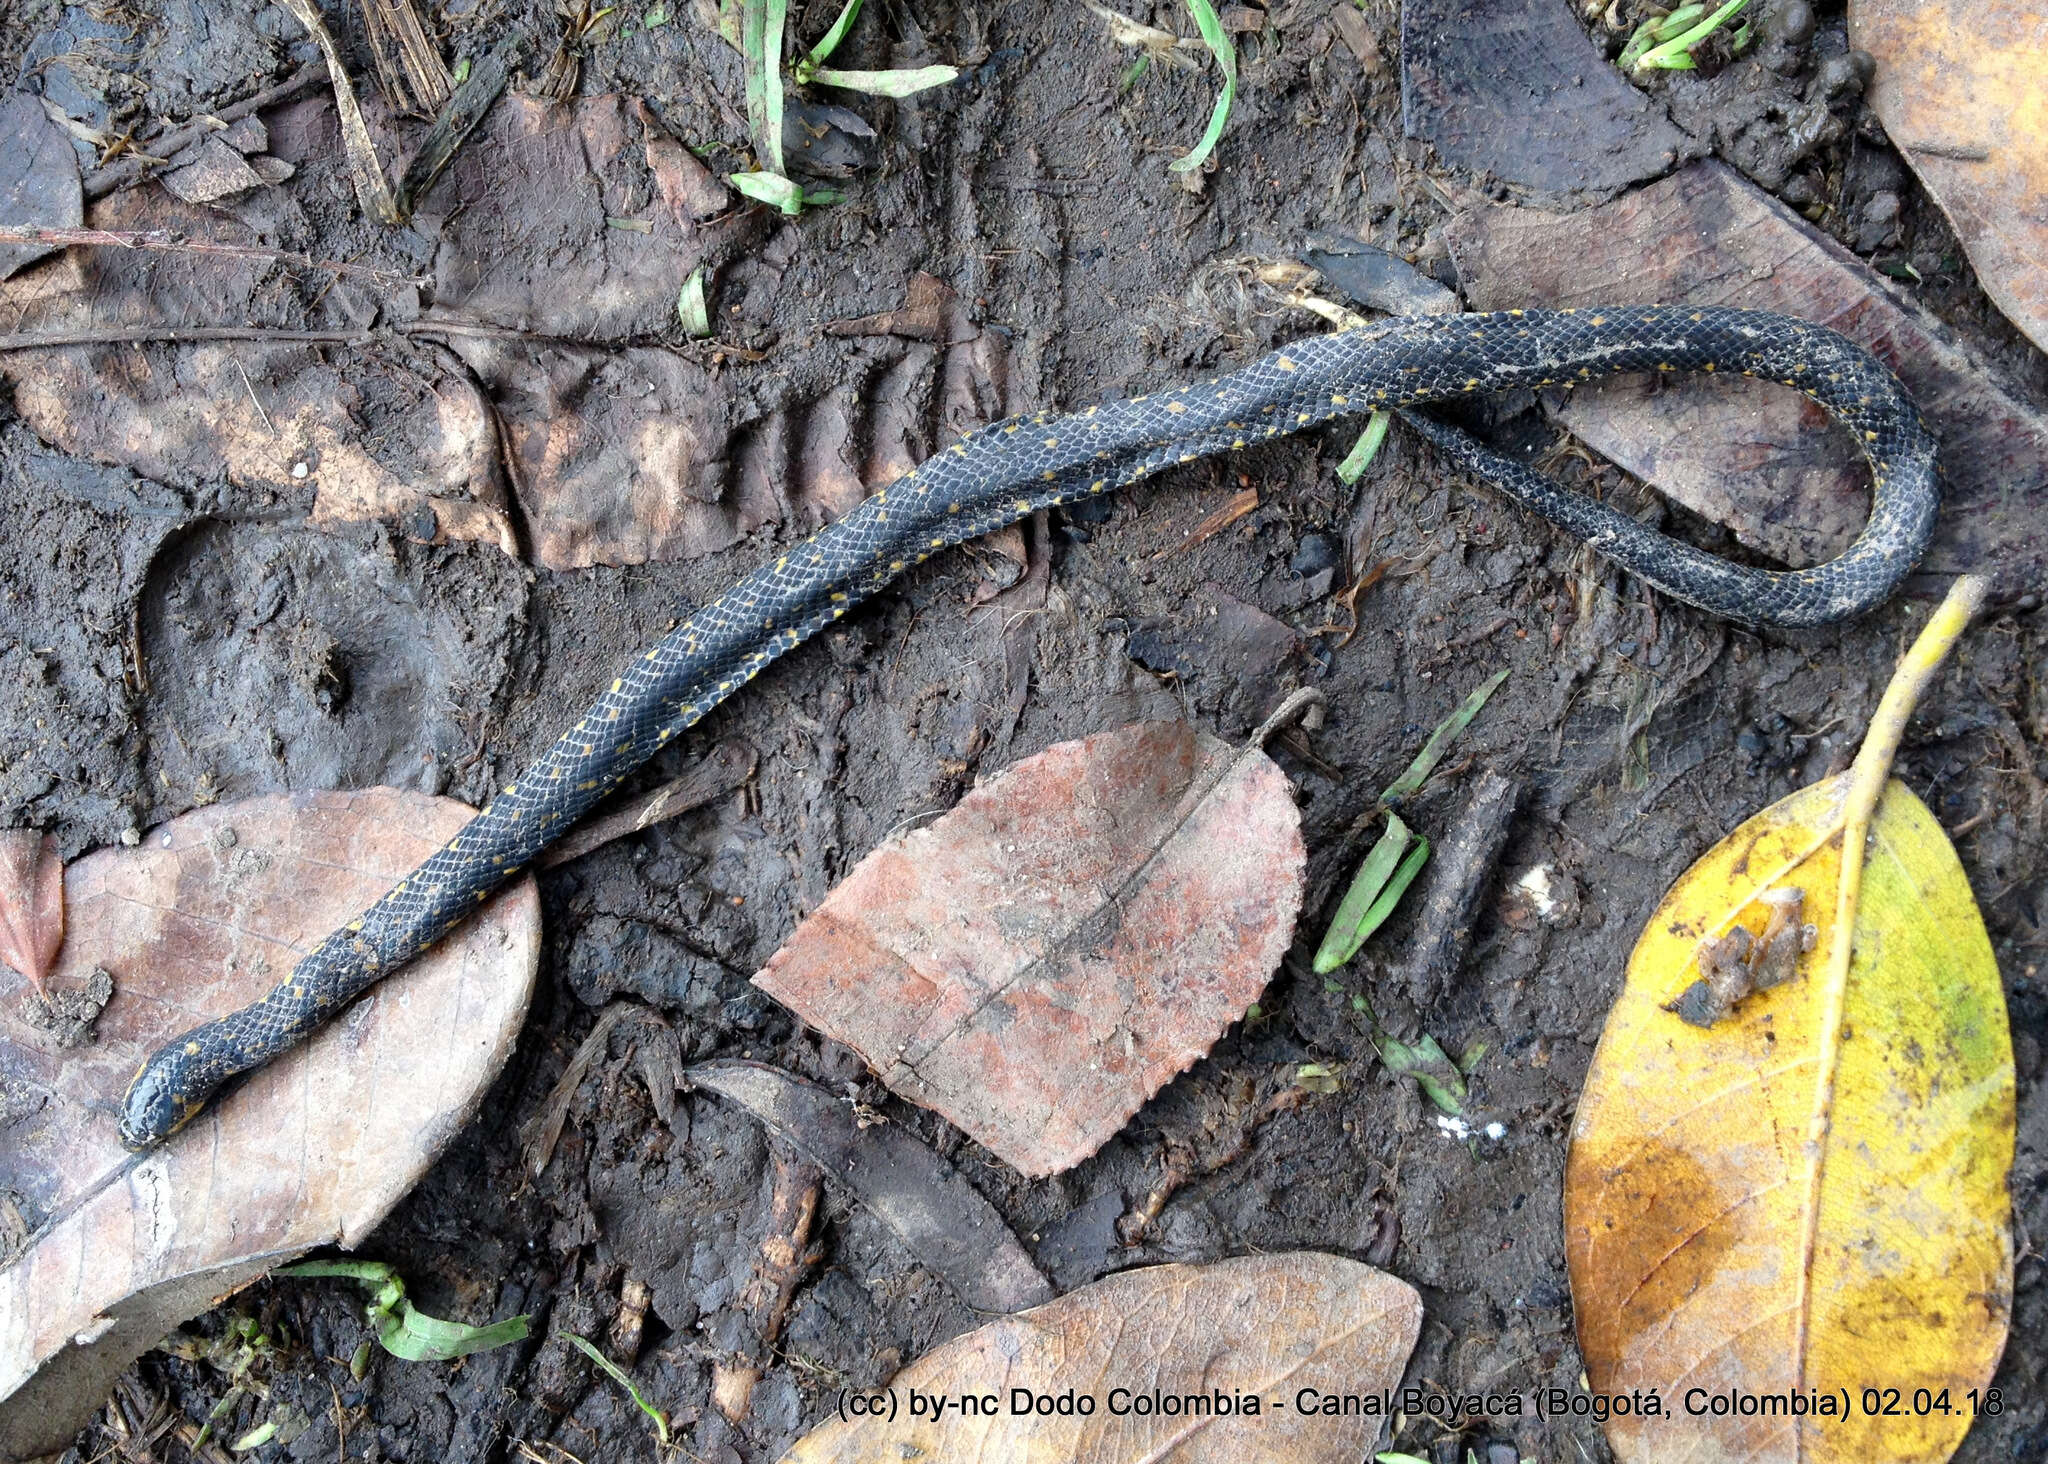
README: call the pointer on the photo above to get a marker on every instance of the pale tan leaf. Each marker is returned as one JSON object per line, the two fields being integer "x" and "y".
{"x": 1275, "y": 1334}
{"x": 312, "y": 1150}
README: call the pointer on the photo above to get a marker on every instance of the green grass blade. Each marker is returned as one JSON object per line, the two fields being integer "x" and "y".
{"x": 618, "y": 1375}
{"x": 886, "y": 83}
{"x": 770, "y": 188}
{"x": 761, "y": 25}
{"x": 417, "y": 1337}
{"x": 831, "y": 41}
{"x": 1439, "y": 742}
{"x": 1366, "y": 448}
{"x": 1675, "y": 54}
{"x": 1211, "y": 27}
{"x": 1347, "y": 930}
{"x": 692, "y": 309}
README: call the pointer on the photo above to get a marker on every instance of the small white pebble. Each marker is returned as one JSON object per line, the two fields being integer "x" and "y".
{"x": 1457, "y": 1128}
{"x": 131, "y": 836}
{"x": 1536, "y": 885}
{"x": 299, "y": 469}
{"x": 1495, "y": 1131}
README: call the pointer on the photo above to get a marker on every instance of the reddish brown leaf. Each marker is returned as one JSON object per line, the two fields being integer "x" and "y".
{"x": 1045, "y": 957}
{"x": 31, "y": 904}
{"x": 1708, "y": 237}
{"x": 313, "y": 1150}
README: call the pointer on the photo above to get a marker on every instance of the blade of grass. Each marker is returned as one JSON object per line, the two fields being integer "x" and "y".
{"x": 1211, "y": 27}
{"x": 886, "y": 83}
{"x": 1366, "y": 448}
{"x": 618, "y": 1375}
{"x": 692, "y": 309}
{"x": 1430, "y": 1066}
{"x": 1676, "y": 53}
{"x": 761, "y": 25}
{"x": 1347, "y": 933}
{"x": 1376, "y": 914}
{"x": 1439, "y": 742}
{"x": 830, "y": 43}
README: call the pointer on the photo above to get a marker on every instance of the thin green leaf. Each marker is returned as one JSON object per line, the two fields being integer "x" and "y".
{"x": 618, "y": 1375}
{"x": 761, "y": 25}
{"x": 831, "y": 41}
{"x": 770, "y": 188}
{"x": 403, "y": 1331}
{"x": 1376, "y": 914}
{"x": 1430, "y": 1066}
{"x": 692, "y": 309}
{"x": 1211, "y": 27}
{"x": 886, "y": 83}
{"x": 461, "y": 72}
{"x": 255, "y": 1438}
{"x": 416, "y": 1337}
{"x": 1346, "y": 933}
{"x": 1676, "y": 54}
{"x": 1439, "y": 742}
{"x": 1398, "y": 1459}
{"x": 1367, "y": 447}
{"x": 655, "y": 18}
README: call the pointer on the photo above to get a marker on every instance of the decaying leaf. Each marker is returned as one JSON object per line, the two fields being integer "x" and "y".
{"x": 38, "y": 178}
{"x": 1193, "y": 1364}
{"x": 1797, "y": 1189}
{"x": 1962, "y": 89}
{"x": 312, "y": 1150}
{"x": 1040, "y": 961}
{"x": 270, "y": 417}
{"x": 31, "y": 905}
{"x": 1754, "y": 455}
{"x": 940, "y": 1218}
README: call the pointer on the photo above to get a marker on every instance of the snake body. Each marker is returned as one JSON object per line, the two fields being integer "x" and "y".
{"x": 1002, "y": 473}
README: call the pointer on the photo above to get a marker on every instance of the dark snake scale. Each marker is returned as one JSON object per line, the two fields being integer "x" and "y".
{"x": 1002, "y": 473}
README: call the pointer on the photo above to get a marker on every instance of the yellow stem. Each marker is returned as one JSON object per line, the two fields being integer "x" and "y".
{"x": 1868, "y": 778}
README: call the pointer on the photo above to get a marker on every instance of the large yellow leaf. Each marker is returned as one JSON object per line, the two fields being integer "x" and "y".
{"x": 1806, "y": 1199}
{"x": 1216, "y": 1364}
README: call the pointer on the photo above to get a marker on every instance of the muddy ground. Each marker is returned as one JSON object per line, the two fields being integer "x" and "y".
{"x": 1038, "y": 189}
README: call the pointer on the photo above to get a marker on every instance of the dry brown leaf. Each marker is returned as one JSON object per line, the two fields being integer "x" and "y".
{"x": 312, "y": 1150}
{"x": 1261, "y": 1331}
{"x": 1708, "y": 237}
{"x": 31, "y": 905}
{"x": 1962, "y": 89}
{"x": 1040, "y": 961}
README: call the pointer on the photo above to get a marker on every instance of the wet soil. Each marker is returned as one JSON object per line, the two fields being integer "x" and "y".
{"x": 164, "y": 644}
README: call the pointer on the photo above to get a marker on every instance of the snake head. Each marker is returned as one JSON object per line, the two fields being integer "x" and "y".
{"x": 159, "y": 1099}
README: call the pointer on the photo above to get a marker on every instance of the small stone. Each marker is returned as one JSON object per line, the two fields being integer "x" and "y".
{"x": 131, "y": 836}
{"x": 1315, "y": 553}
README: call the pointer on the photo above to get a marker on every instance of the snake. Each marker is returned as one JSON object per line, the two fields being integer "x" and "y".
{"x": 1002, "y": 473}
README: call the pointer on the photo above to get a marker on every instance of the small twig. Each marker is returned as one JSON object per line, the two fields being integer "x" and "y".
{"x": 786, "y": 1255}
{"x": 1464, "y": 865}
{"x": 166, "y": 146}
{"x": 120, "y": 335}
{"x": 172, "y": 242}
{"x": 729, "y": 765}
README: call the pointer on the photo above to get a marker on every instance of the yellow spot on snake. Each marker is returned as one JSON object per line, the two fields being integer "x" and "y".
{"x": 191, "y": 1049}
{"x": 1176, "y": 407}
{"x": 1023, "y": 505}
{"x": 896, "y": 564}
{"x": 1098, "y": 485}
{"x": 616, "y": 685}
{"x": 1300, "y": 417}
{"x": 1011, "y": 428}
{"x": 1048, "y": 475}
{"x": 1599, "y": 320}
{"x": 936, "y": 544}
{"x": 1340, "y": 401}
{"x": 1052, "y": 442}
{"x": 1471, "y": 382}
{"x": 1285, "y": 364}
